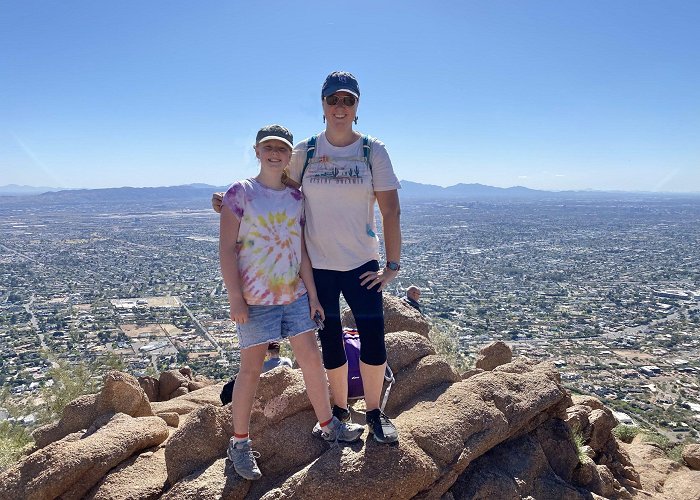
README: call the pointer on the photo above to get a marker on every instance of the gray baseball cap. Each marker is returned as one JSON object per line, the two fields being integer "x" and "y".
{"x": 275, "y": 132}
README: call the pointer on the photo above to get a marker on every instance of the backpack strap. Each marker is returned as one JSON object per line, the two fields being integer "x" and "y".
{"x": 366, "y": 150}
{"x": 310, "y": 150}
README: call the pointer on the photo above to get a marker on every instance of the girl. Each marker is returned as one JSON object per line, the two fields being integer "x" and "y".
{"x": 271, "y": 291}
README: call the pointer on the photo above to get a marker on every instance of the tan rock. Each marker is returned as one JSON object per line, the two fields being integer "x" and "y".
{"x": 190, "y": 401}
{"x": 602, "y": 423}
{"x": 122, "y": 393}
{"x": 428, "y": 374}
{"x": 493, "y": 355}
{"x": 169, "y": 381}
{"x": 71, "y": 468}
{"x": 200, "y": 440}
{"x": 142, "y": 477}
{"x": 170, "y": 417}
{"x": 398, "y": 317}
{"x": 150, "y": 387}
{"x": 180, "y": 391}
{"x": 691, "y": 455}
{"x": 404, "y": 348}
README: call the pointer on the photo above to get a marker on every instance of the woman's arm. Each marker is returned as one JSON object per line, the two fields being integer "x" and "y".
{"x": 228, "y": 259}
{"x": 390, "y": 209}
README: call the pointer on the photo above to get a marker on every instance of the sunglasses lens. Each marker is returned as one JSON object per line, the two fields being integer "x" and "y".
{"x": 348, "y": 100}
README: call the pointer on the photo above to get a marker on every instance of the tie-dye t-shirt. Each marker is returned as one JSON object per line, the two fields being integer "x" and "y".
{"x": 269, "y": 241}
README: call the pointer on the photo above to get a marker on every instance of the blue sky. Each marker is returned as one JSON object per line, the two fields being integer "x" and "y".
{"x": 545, "y": 94}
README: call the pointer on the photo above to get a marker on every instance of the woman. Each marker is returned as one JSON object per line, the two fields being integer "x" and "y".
{"x": 342, "y": 174}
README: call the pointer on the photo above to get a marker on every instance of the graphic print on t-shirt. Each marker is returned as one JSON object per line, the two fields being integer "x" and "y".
{"x": 337, "y": 171}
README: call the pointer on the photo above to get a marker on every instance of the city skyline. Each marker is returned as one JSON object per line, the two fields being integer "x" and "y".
{"x": 546, "y": 95}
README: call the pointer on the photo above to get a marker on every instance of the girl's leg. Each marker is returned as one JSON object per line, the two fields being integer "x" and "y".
{"x": 246, "y": 384}
{"x": 309, "y": 358}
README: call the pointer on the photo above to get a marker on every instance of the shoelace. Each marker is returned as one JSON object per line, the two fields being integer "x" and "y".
{"x": 335, "y": 441}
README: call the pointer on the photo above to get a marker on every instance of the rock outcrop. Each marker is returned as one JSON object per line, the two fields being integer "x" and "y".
{"x": 398, "y": 316}
{"x": 172, "y": 383}
{"x": 504, "y": 432}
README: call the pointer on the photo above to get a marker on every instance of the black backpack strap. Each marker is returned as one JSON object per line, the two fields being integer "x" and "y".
{"x": 310, "y": 150}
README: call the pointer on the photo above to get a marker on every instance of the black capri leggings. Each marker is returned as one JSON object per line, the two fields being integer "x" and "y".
{"x": 367, "y": 307}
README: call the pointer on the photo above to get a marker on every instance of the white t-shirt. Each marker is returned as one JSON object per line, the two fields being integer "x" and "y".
{"x": 269, "y": 241}
{"x": 339, "y": 201}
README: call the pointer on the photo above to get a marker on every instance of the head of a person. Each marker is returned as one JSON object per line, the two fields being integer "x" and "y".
{"x": 340, "y": 96}
{"x": 273, "y": 348}
{"x": 413, "y": 293}
{"x": 273, "y": 146}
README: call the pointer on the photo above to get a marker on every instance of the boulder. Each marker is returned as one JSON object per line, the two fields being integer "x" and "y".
{"x": 70, "y": 468}
{"x": 150, "y": 387}
{"x": 169, "y": 381}
{"x": 170, "y": 417}
{"x": 691, "y": 456}
{"x": 493, "y": 355}
{"x": 398, "y": 316}
{"x": 121, "y": 393}
{"x": 142, "y": 476}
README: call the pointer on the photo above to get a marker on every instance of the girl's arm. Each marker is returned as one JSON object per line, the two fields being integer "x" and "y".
{"x": 390, "y": 209}
{"x": 228, "y": 259}
{"x": 307, "y": 276}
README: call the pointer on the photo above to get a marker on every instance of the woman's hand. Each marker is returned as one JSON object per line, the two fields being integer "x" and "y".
{"x": 239, "y": 310}
{"x": 382, "y": 278}
{"x": 217, "y": 200}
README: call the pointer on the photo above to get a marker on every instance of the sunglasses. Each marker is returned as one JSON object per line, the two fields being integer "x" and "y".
{"x": 348, "y": 100}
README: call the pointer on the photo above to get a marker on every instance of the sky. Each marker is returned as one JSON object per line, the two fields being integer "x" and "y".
{"x": 556, "y": 95}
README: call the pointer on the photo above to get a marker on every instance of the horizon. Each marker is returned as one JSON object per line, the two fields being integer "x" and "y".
{"x": 551, "y": 96}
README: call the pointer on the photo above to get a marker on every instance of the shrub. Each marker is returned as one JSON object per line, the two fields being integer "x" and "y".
{"x": 14, "y": 440}
{"x": 626, "y": 433}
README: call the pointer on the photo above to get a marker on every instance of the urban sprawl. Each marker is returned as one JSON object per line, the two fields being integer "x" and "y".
{"x": 607, "y": 289}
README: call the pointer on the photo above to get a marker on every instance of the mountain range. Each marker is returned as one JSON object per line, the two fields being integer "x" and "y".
{"x": 409, "y": 190}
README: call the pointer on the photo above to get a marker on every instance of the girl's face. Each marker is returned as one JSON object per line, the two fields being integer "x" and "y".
{"x": 273, "y": 154}
{"x": 340, "y": 113}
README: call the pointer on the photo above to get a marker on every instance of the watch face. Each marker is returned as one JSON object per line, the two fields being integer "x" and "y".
{"x": 393, "y": 266}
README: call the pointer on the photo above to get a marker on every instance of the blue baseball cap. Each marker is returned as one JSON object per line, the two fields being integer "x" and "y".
{"x": 340, "y": 81}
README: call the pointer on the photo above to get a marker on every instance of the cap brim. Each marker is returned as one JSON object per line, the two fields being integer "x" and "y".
{"x": 276, "y": 138}
{"x": 326, "y": 94}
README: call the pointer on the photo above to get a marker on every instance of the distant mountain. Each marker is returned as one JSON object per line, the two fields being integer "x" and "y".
{"x": 200, "y": 194}
{"x": 17, "y": 190}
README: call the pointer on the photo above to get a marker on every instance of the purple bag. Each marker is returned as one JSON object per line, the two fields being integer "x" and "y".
{"x": 352, "y": 350}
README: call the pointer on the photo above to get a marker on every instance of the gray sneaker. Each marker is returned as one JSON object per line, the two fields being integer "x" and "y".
{"x": 243, "y": 458}
{"x": 342, "y": 414}
{"x": 341, "y": 431}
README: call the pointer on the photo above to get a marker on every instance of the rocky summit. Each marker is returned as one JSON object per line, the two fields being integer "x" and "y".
{"x": 507, "y": 429}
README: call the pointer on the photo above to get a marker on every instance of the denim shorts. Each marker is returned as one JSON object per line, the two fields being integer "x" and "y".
{"x": 268, "y": 323}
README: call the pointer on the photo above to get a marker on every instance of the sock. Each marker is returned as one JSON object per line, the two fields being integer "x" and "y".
{"x": 325, "y": 426}
{"x": 239, "y": 438}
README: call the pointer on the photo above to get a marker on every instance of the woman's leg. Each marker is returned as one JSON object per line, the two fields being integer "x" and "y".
{"x": 334, "y": 358}
{"x": 309, "y": 358}
{"x": 367, "y": 308}
{"x": 246, "y": 384}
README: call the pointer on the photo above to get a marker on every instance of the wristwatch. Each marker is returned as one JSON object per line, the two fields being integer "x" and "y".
{"x": 394, "y": 266}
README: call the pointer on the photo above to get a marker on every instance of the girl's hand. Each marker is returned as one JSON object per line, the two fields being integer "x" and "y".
{"x": 217, "y": 200}
{"x": 239, "y": 310}
{"x": 315, "y": 307}
{"x": 382, "y": 278}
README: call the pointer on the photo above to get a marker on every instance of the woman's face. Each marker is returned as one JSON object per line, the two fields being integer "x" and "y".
{"x": 340, "y": 113}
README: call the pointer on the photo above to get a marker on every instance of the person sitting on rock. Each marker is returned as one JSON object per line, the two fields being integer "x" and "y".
{"x": 273, "y": 358}
{"x": 412, "y": 297}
